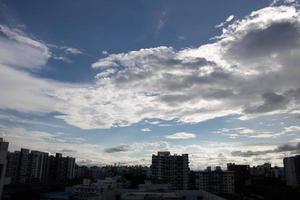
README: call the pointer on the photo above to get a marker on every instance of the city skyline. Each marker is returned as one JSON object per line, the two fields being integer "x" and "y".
{"x": 120, "y": 164}
{"x": 115, "y": 82}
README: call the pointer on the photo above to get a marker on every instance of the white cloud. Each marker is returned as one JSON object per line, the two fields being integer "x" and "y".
{"x": 251, "y": 133}
{"x": 229, "y": 19}
{"x": 292, "y": 129}
{"x": 188, "y": 86}
{"x": 276, "y": 2}
{"x": 20, "y": 120}
{"x": 23, "y": 54}
{"x": 201, "y": 155}
{"x": 146, "y": 129}
{"x": 22, "y": 38}
{"x": 72, "y": 50}
{"x": 181, "y": 136}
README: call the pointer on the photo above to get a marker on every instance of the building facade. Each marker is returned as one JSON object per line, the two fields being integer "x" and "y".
{"x": 172, "y": 169}
{"x": 3, "y": 163}
{"x": 241, "y": 175}
{"x": 217, "y": 181}
{"x": 25, "y": 167}
{"x": 292, "y": 170}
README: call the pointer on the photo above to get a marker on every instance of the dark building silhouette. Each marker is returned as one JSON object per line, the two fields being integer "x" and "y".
{"x": 172, "y": 169}
{"x": 3, "y": 163}
{"x": 61, "y": 169}
{"x": 241, "y": 174}
{"x": 217, "y": 181}
{"x": 18, "y": 166}
{"x": 25, "y": 167}
{"x": 292, "y": 170}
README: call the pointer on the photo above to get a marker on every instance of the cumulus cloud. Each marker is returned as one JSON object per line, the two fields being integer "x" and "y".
{"x": 181, "y": 136}
{"x": 251, "y": 69}
{"x": 213, "y": 80}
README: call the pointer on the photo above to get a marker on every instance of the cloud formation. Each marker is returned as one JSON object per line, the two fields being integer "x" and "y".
{"x": 146, "y": 129}
{"x": 251, "y": 133}
{"x": 181, "y": 136}
{"x": 280, "y": 149}
{"x": 255, "y": 58}
{"x": 117, "y": 149}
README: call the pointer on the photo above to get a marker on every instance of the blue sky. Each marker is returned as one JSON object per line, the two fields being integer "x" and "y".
{"x": 115, "y": 81}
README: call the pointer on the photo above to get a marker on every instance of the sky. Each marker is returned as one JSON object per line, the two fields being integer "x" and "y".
{"x": 113, "y": 82}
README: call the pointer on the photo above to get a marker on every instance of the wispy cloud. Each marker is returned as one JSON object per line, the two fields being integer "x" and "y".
{"x": 72, "y": 50}
{"x": 181, "y": 136}
{"x": 161, "y": 22}
{"x": 229, "y": 19}
{"x": 118, "y": 149}
{"x": 280, "y": 149}
{"x": 252, "y": 133}
{"x": 146, "y": 129}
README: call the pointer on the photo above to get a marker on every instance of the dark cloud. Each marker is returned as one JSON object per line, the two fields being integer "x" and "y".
{"x": 120, "y": 148}
{"x": 272, "y": 101}
{"x": 279, "y": 149}
{"x": 261, "y": 43}
{"x": 294, "y": 94}
{"x": 68, "y": 151}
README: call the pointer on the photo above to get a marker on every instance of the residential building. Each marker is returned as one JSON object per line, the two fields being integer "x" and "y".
{"x": 61, "y": 169}
{"x": 217, "y": 181}
{"x": 17, "y": 166}
{"x": 292, "y": 170}
{"x": 38, "y": 167}
{"x": 3, "y": 163}
{"x": 172, "y": 169}
{"x": 241, "y": 175}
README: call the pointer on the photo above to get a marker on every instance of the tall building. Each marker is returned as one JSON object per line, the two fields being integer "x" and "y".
{"x": 61, "y": 169}
{"x": 12, "y": 166}
{"x": 172, "y": 169}
{"x": 217, "y": 181}
{"x": 241, "y": 175}
{"x": 17, "y": 166}
{"x": 292, "y": 170}
{"x": 38, "y": 167}
{"x": 3, "y": 162}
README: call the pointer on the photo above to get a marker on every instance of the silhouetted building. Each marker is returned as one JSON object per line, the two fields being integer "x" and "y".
{"x": 217, "y": 181}
{"x": 18, "y": 166}
{"x": 292, "y": 170}
{"x": 266, "y": 170}
{"x": 172, "y": 169}
{"x": 241, "y": 174}
{"x": 3, "y": 163}
{"x": 38, "y": 167}
{"x": 61, "y": 169}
